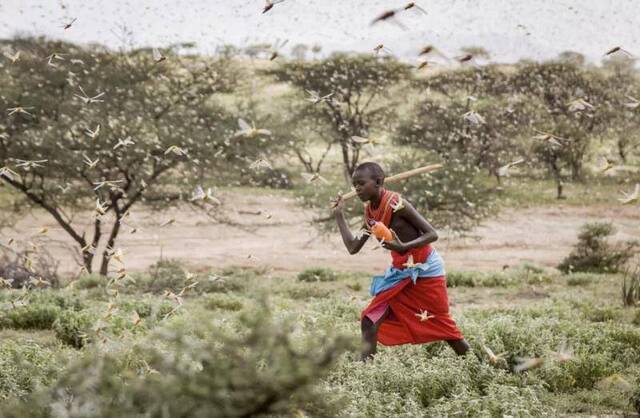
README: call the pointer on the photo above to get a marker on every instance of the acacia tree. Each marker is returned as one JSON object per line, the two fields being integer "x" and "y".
{"x": 512, "y": 103}
{"x": 552, "y": 87}
{"x": 360, "y": 103}
{"x": 468, "y": 113}
{"x": 624, "y": 85}
{"x": 108, "y": 131}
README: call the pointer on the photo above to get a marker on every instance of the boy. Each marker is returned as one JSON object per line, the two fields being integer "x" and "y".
{"x": 410, "y": 302}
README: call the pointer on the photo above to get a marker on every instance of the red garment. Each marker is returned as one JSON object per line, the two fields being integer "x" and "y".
{"x": 406, "y": 300}
{"x": 383, "y": 213}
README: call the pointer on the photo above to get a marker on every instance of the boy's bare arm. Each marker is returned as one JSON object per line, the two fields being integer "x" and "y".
{"x": 353, "y": 244}
{"x": 411, "y": 215}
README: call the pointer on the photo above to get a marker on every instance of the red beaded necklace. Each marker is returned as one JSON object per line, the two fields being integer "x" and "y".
{"x": 382, "y": 213}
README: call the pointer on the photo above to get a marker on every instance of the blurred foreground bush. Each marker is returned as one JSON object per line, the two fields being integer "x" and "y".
{"x": 24, "y": 366}
{"x": 257, "y": 370}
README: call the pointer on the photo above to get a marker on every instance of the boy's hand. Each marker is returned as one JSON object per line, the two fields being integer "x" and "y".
{"x": 337, "y": 203}
{"x": 394, "y": 245}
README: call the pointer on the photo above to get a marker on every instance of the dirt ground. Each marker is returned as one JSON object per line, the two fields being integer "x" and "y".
{"x": 273, "y": 231}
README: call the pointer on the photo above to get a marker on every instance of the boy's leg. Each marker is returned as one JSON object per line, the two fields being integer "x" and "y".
{"x": 459, "y": 346}
{"x": 370, "y": 335}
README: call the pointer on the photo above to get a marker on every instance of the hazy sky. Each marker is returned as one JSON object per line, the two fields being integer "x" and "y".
{"x": 508, "y": 29}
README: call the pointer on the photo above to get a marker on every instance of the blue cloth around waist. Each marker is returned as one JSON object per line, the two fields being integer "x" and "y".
{"x": 432, "y": 267}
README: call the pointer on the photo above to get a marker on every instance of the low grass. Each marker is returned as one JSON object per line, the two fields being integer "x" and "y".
{"x": 524, "y": 192}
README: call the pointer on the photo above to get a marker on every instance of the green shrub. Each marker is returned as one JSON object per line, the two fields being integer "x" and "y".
{"x": 73, "y": 328}
{"x": 224, "y": 302}
{"x": 89, "y": 281}
{"x": 162, "y": 275}
{"x": 631, "y": 287}
{"x": 256, "y": 370}
{"x": 306, "y": 292}
{"x": 41, "y": 310}
{"x": 482, "y": 279}
{"x": 54, "y": 297}
{"x": 33, "y": 316}
{"x": 594, "y": 254}
{"x": 23, "y": 366}
{"x": 461, "y": 279}
{"x": 5, "y": 321}
{"x": 144, "y": 307}
{"x": 582, "y": 372}
{"x": 454, "y": 196}
{"x": 601, "y": 314}
{"x": 356, "y": 287}
{"x": 317, "y": 274}
{"x": 498, "y": 400}
{"x": 229, "y": 281}
{"x": 581, "y": 279}
{"x": 531, "y": 268}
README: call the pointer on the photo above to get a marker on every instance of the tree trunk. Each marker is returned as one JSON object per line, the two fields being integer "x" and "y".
{"x": 622, "y": 152}
{"x": 87, "y": 259}
{"x": 559, "y": 192}
{"x": 576, "y": 171}
{"x": 345, "y": 161}
{"x": 558, "y": 176}
{"x": 104, "y": 265}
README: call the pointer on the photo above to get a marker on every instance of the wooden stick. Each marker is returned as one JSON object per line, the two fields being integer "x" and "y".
{"x": 398, "y": 177}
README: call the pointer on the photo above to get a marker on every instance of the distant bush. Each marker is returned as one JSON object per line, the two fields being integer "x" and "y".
{"x": 32, "y": 316}
{"x": 532, "y": 268}
{"x": 54, "y": 297}
{"x": 461, "y": 279}
{"x": 89, "y": 281}
{"x": 171, "y": 274}
{"x": 142, "y": 306}
{"x": 482, "y": 279}
{"x": 594, "y": 254}
{"x": 13, "y": 268}
{"x": 355, "y": 286}
{"x": 223, "y": 301}
{"x": 304, "y": 292}
{"x": 317, "y": 274}
{"x": 162, "y": 275}
{"x": 601, "y": 313}
{"x": 581, "y": 279}
{"x": 229, "y": 281}
{"x": 453, "y": 197}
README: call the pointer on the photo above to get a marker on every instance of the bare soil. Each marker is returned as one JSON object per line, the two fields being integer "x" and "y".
{"x": 271, "y": 230}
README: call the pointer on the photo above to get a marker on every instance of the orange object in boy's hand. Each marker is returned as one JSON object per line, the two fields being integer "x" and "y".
{"x": 381, "y": 231}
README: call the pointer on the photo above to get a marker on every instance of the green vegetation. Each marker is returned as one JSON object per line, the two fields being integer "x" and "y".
{"x": 593, "y": 253}
{"x": 317, "y": 274}
{"x": 280, "y": 355}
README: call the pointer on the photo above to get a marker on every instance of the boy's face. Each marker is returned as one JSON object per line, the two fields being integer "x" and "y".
{"x": 365, "y": 185}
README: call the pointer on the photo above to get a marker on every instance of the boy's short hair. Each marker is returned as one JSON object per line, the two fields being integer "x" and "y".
{"x": 374, "y": 170}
